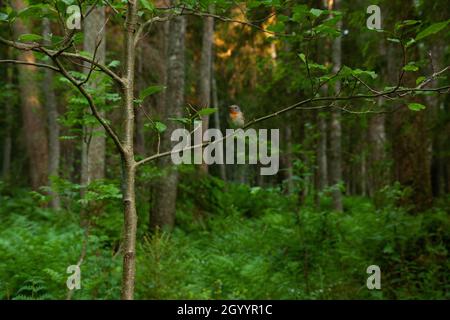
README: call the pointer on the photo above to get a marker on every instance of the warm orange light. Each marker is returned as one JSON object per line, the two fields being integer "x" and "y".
{"x": 29, "y": 58}
{"x": 225, "y": 54}
{"x": 330, "y": 4}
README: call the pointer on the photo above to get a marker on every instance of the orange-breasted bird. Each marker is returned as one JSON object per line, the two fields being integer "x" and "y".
{"x": 236, "y": 116}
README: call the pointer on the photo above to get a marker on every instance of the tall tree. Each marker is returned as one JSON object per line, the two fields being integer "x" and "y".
{"x": 93, "y": 144}
{"x": 52, "y": 119}
{"x": 215, "y": 100}
{"x": 33, "y": 113}
{"x": 335, "y": 163}
{"x": 410, "y": 140}
{"x": 7, "y": 123}
{"x": 289, "y": 160}
{"x": 205, "y": 73}
{"x": 162, "y": 213}
{"x": 377, "y": 172}
{"x": 321, "y": 153}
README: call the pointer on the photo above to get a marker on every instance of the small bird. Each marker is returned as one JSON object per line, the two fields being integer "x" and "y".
{"x": 236, "y": 116}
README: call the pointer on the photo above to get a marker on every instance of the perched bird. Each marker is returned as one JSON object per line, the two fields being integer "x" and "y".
{"x": 236, "y": 116}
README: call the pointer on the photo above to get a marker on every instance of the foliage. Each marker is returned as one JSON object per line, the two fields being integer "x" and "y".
{"x": 240, "y": 251}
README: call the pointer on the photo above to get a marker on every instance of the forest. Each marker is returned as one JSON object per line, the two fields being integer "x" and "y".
{"x": 222, "y": 149}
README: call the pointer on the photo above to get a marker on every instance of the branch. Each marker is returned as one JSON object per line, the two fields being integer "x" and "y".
{"x": 296, "y": 106}
{"x": 51, "y": 53}
{"x": 41, "y": 65}
{"x": 226, "y": 19}
{"x": 91, "y": 103}
{"x": 147, "y": 23}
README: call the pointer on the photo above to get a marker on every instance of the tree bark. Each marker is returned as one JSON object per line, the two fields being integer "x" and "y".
{"x": 437, "y": 151}
{"x": 162, "y": 213}
{"x": 377, "y": 169}
{"x": 377, "y": 141}
{"x": 7, "y": 148}
{"x": 335, "y": 163}
{"x": 322, "y": 164}
{"x": 215, "y": 99}
{"x": 139, "y": 112}
{"x": 205, "y": 74}
{"x": 410, "y": 141}
{"x": 33, "y": 114}
{"x": 93, "y": 144}
{"x": 53, "y": 125}
{"x": 128, "y": 162}
{"x": 7, "y": 122}
{"x": 289, "y": 166}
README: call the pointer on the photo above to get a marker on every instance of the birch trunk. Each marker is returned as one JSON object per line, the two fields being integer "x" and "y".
{"x": 128, "y": 162}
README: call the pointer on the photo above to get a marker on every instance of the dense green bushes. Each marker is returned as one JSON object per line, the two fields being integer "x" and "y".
{"x": 244, "y": 243}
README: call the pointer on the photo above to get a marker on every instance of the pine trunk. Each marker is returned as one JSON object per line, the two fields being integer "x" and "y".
{"x": 162, "y": 213}
{"x": 33, "y": 113}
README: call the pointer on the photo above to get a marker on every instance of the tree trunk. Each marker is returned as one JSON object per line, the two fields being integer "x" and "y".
{"x": 7, "y": 147}
{"x": 53, "y": 125}
{"x": 377, "y": 141}
{"x": 322, "y": 164}
{"x": 205, "y": 74}
{"x": 289, "y": 168}
{"x": 411, "y": 143}
{"x": 128, "y": 162}
{"x": 363, "y": 172}
{"x": 162, "y": 213}
{"x": 335, "y": 164}
{"x": 437, "y": 152}
{"x": 93, "y": 148}
{"x": 377, "y": 169}
{"x": 215, "y": 98}
{"x": 33, "y": 114}
{"x": 139, "y": 112}
{"x": 7, "y": 122}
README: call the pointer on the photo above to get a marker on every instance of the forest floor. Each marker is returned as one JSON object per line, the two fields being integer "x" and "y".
{"x": 247, "y": 243}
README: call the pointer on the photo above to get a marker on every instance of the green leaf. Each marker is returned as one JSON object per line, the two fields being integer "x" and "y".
{"x": 317, "y": 66}
{"x": 278, "y": 27}
{"x": 419, "y": 80}
{"x": 206, "y": 111}
{"x": 67, "y": 137}
{"x": 3, "y": 16}
{"x": 358, "y": 72}
{"x": 150, "y": 90}
{"x": 410, "y": 42}
{"x": 316, "y": 12}
{"x": 28, "y": 37}
{"x": 303, "y": 57}
{"x": 114, "y": 63}
{"x": 33, "y": 11}
{"x": 434, "y": 28}
{"x": 416, "y": 106}
{"x": 406, "y": 23}
{"x": 147, "y": 5}
{"x": 299, "y": 13}
{"x": 410, "y": 22}
{"x": 393, "y": 40}
{"x": 181, "y": 120}
{"x": 160, "y": 127}
{"x": 411, "y": 67}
